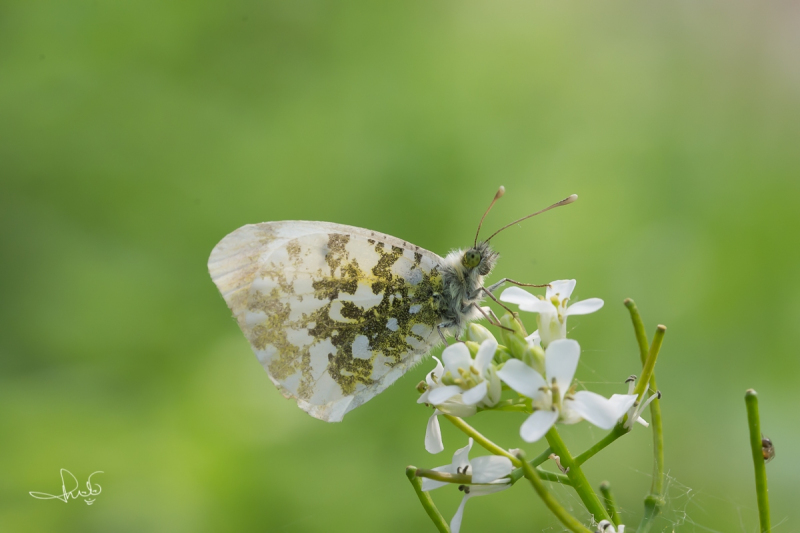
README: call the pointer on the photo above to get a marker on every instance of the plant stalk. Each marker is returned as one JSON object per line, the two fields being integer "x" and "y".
{"x": 576, "y": 476}
{"x": 756, "y": 445}
{"x": 426, "y": 501}
{"x": 569, "y": 521}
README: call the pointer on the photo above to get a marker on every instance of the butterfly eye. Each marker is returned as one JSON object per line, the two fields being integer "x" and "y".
{"x": 471, "y": 259}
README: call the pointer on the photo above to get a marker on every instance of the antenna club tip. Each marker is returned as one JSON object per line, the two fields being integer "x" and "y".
{"x": 571, "y": 198}
{"x": 500, "y": 192}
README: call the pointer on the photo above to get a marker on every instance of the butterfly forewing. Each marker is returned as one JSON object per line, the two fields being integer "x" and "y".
{"x": 334, "y": 313}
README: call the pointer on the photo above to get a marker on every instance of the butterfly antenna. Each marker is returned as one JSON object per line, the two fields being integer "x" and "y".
{"x": 565, "y": 201}
{"x": 500, "y": 192}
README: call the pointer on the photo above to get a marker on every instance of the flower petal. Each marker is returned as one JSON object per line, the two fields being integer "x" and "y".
{"x": 439, "y": 395}
{"x": 623, "y": 401}
{"x": 600, "y": 411}
{"x": 562, "y": 287}
{"x": 584, "y": 307}
{"x": 474, "y": 490}
{"x": 537, "y": 425}
{"x": 433, "y": 435}
{"x": 424, "y": 396}
{"x": 538, "y": 306}
{"x": 455, "y": 406}
{"x": 475, "y": 394}
{"x": 438, "y": 371}
{"x": 461, "y": 457}
{"x": 561, "y": 361}
{"x": 456, "y": 356}
{"x": 534, "y": 338}
{"x": 490, "y": 467}
{"x": 515, "y": 295}
{"x": 485, "y": 354}
{"x": 455, "y": 523}
{"x": 521, "y": 378}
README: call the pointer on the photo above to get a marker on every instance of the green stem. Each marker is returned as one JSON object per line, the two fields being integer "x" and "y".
{"x": 650, "y": 363}
{"x": 762, "y": 493}
{"x": 569, "y": 521}
{"x": 552, "y": 476}
{"x": 480, "y": 439}
{"x": 576, "y": 476}
{"x": 611, "y": 504}
{"x": 638, "y": 329}
{"x": 542, "y": 457}
{"x": 618, "y": 431}
{"x": 426, "y": 501}
{"x": 517, "y": 474}
{"x": 466, "y": 479}
{"x": 652, "y": 507}
{"x": 461, "y": 479}
{"x": 648, "y": 354}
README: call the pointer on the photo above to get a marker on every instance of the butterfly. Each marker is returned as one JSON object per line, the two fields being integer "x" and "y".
{"x": 335, "y": 314}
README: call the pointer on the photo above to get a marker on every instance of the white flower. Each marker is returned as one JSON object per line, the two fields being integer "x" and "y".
{"x": 489, "y": 472}
{"x": 553, "y": 310}
{"x": 553, "y": 400}
{"x": 460, "y": 386}
{"x": 607, "y": 527}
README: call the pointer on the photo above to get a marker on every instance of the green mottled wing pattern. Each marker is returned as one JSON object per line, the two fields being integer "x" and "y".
{"x": 334, "y": 313}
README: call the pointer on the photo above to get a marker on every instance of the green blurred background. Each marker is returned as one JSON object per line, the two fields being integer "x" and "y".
{"x": 135, "y": 135}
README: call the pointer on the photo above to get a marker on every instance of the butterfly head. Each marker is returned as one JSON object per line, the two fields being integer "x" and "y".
{"x": 480, "y": 257}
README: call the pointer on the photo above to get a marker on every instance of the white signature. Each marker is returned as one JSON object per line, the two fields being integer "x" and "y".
{"x": 74, "y": 493}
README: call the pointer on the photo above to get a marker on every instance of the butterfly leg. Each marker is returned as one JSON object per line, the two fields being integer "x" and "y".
{"x": 494, "y": 286}
{"x": 494, "y": 316}
{"x": 488, "y": 292}
{"x": 441, "y": 334}
{"x": 493, "y": 320}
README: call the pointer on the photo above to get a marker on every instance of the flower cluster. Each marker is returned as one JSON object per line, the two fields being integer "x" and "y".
{"x": 471, "y": 375}
{"x": 539, "y": 368}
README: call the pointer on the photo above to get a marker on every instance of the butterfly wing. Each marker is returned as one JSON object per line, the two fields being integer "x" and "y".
{"x": 334, "y": 313}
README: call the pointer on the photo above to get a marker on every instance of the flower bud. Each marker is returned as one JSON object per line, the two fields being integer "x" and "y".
{"x": 512, "y": 322}
{"x": 473, "y": 347}
{"x": 513, "y": 340}
{"x": 478, "y": 333}
{"x": 533, "y": 356}
{"x": 502, "y": 355}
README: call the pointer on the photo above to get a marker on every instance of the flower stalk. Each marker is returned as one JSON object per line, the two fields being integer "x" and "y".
{"x": 648, "y": 355}
{"x": 569, "y": 521}
{"x": 618, "y": 431}
{"x": 483, "y": 441}
{"x": 426, "y": 501}
{"x": 576, "y": 476}
{"x": 756, "y": 444}
{"x": 611, "y": 504}
{"x": 650, "y": 362}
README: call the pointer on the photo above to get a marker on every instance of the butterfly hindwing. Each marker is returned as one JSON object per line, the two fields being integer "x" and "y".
{"x": 334, "y": 313}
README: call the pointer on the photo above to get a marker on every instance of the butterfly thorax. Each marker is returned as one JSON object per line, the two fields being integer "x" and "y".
{"x": 462, "y": 278}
